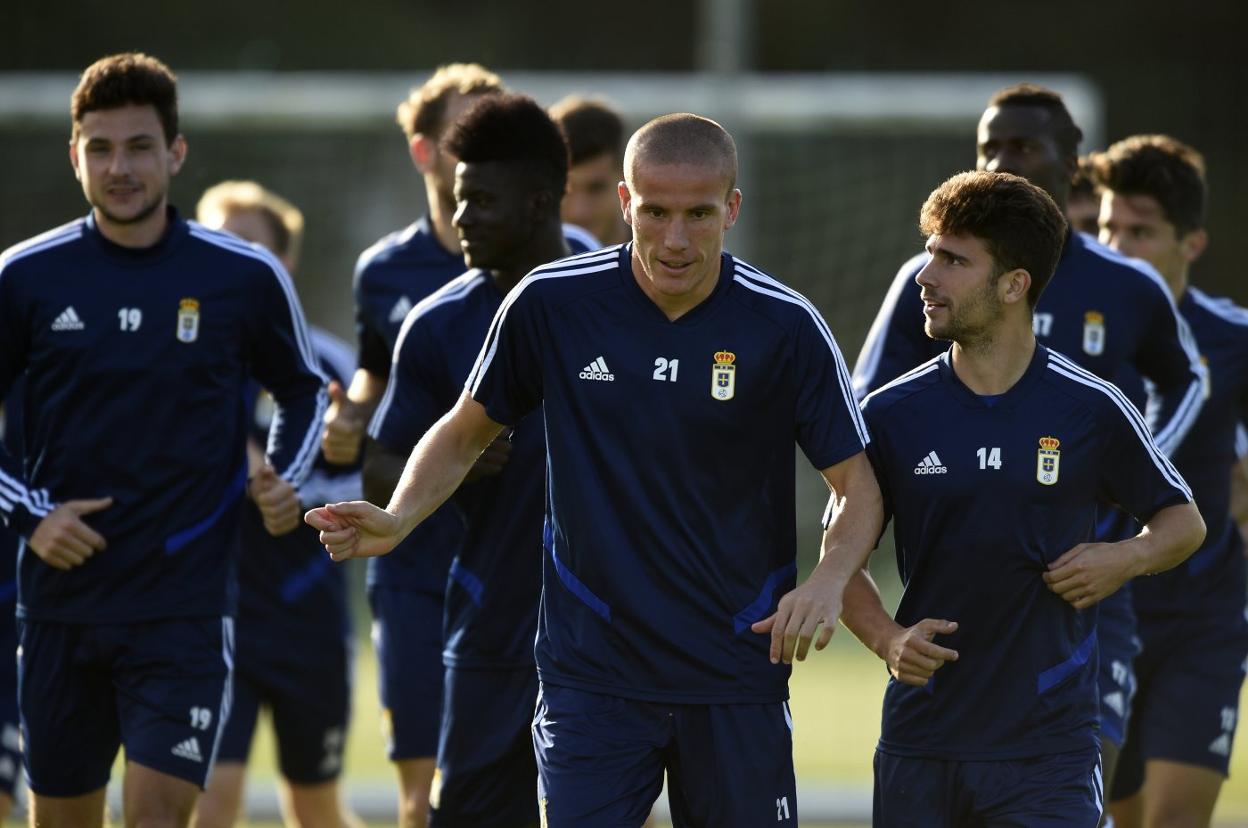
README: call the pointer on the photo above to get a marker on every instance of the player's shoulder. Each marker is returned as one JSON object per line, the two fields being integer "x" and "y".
{"x": 772, "y": 298}
{"x": 1220, "y": 308}
{"x": 447, "y": 299}
{"x": 916, "y": 381}
{"x": 37, "y": 248}
{"x": 1101, "y": 398}
{"x": 579, "y": 239}
{"x": 243, "y": 256}
{"x": 398, "y": 247}
{"x": 569, "y": 278}
{"x": 1108, "y": 264}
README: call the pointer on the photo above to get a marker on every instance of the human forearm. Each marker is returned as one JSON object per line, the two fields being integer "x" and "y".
{"x": 365, "y": 392}
{"x": 1166, "y": 540}
{"x": 864, "y": 615}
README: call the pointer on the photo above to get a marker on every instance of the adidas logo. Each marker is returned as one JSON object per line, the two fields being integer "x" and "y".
{"x": 1221, "y": 745}
{"x": 930, "y": 465}
{"x": 188, "y": 750}
{"x": 597, "y": 370}
{"x": 1115, "y": 702}
{"x": 68, "y": 321}
{"x": 399, "y": 312}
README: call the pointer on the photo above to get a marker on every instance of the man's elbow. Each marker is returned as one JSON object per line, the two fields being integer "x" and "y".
{"x": 1190, "y": 533}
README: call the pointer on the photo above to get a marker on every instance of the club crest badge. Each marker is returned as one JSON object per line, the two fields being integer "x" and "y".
{"x": 1048, "y": 460}
{"x": 724, "y": 376}
{"x": 188, "y": 320}
{"x": 1094, "y": 333}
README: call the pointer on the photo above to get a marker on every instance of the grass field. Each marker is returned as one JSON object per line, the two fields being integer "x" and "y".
{"x": 836, "y": 713}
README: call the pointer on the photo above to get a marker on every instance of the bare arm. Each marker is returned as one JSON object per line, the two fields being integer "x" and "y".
{"x": 857, "y": 514}
{"x": 910, "y": 653}
{"x": 434, "y": 470}
{"x": 1091, "y": 572}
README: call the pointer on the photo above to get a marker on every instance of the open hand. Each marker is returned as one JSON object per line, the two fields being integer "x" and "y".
{"x": 798, "y": 616}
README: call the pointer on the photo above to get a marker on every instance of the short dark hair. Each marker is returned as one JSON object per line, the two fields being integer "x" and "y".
{"x": 513, "y": 129}
{"x": 424, "y": 110}
{"x": 683, "y": 138}
{"x": 1018, "y": 222}
{"x": 591, "y": 126}
{"x": 1065, "y": 131}
{"x": 1162, "y": 167}
{"x": 1083, "y": 183}
{"x": 129, "y": 78}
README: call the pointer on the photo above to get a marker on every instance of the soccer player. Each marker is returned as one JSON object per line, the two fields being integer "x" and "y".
{"x": 673, "y": 379}
{"x": 511, "y": 176}
{"x": 135, "y": 332}
{"x": 293, "y": 639}
{"x": 1191, "y": 619}
{"x": 1108, "y": 313}
{"x": 595, "y": 134}
{"x": 406, "y": 590}
{"x": 1083, "y": 205}
{"x": 992, "y": 459}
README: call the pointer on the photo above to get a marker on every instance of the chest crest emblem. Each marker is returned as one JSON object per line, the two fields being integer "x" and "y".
{"x": 724, "y": 376}
{"x": 1048, "y": 460}
{"x": 188, "y": 320}
{"x": 1094, "y": 333}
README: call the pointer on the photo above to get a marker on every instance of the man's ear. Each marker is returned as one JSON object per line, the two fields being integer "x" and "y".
{"x": 1016, "y": 283}
{"x": 424, "y": 151}
{"x": 1193, "y": 244}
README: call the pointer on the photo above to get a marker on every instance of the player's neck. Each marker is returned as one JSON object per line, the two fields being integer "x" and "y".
{"x": 138, "y": 235}
{"x": 441, "y": 212}
{"x": 992, "y": 365}
{"x": 549, "y": 244}
{"x": 1177, "y": 283}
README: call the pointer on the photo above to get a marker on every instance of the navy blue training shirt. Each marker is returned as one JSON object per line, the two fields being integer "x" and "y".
{"x": 670, "y": 524}
{"x": 983, "y": 498}
{"x": 1211, "y": 581}
{"x": 1101, "y": 310}
{"x": 391, "y": 277}
{"x": 496, "y": 576}
{"x": 135, "y": 366}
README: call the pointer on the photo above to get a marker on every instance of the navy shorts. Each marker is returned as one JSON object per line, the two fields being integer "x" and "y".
{"x": 600, "y": 761}
{"x": 306, "y": 686}
{"x": 1190, "y": 674}
{"x": 407, "y": 635}
{"x": 160, "y": 688}
{"x": 10, "y": 740}
{"x": 1118, "y": 644}
{"x": 1059, "y": 791}
{"x": 486, "y": 774}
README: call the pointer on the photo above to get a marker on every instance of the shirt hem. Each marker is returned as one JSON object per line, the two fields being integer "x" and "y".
{"x": 641, "y": 694}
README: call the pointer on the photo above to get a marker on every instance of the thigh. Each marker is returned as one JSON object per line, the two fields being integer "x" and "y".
{"x": 68, "y": 710}
{"x": 487, "y": 774}
{"x": 407, "y": 635}
{"x": 311, "y": 705}
{"x": 599, "y": 758}
{"x": 912, "y": 792}
{"x": 174, "y": 689}
{"x": 240, "y": 723}
{"x": 1060, "y": 791}
{"x": 732, "y": 765}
